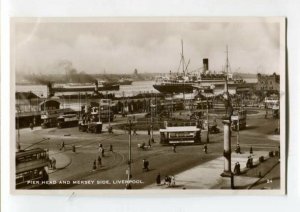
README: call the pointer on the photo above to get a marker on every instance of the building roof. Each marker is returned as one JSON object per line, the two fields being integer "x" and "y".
{"x": 26, "y": 95}
{"x": 29, "y": 152}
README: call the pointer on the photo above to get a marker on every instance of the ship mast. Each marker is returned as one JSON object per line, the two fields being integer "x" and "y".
{"x": 182, "y": 59}
{"x": 226, "y": 69}
{"x": 227, "y": 60}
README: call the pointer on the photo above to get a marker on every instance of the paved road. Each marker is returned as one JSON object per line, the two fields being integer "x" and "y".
{"x": 271, "y": 180}
{"x": 162, "y": 159}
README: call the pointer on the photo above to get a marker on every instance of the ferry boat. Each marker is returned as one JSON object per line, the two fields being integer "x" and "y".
{"x": 83, "y": 87}
{"x": 125, "y": 81}
{"x": 175, "y": 85}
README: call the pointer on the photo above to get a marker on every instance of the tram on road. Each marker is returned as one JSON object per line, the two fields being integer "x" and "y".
{"x": 180, "y": 135}
{"x": 30, "y": 166}
{"x": 271, "y": 101}
{"x": 50, "y": 117}
{"x": 67, "y": 120}
{"x": 89, "y": 120}
{"x": 238, "y": 119}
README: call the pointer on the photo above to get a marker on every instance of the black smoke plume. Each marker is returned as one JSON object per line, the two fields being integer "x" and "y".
{"x": 73, "y": 76}
{"x": 62, "y": 72}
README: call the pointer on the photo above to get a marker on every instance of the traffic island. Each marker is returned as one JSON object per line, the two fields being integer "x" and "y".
{"x": 61, "y": 161}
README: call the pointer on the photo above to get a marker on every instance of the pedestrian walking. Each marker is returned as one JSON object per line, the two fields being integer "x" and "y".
{"x": 145, "y": 165}
{"x": 50, "y": 163}
{"x": 94, "y": 165}
{"x": 238, "y": 149}
{"x": 174, "y": 148}
{"x": 158, "y": 180}
{"x": 53, "y": 163}
{"x": 249, "y": 163}
{"x": 134, "y": 131}
{"x": 110, "y": 129}
{"x": 100, "y": 147}
{"x": 149, "y": 130}
{"x": 99, "y": 161}
{"x": 73, "y": 148}
{"x": 31, "y": 126}
{"x": 237, "y": 168}
{"x": 142, "y": 146}
{"x": 62, "y": 146}
{"x": 102, "y": 152}
{"x": 47, "y": 154}
{"x": 205, "y": 149}
{"x": 251, "y": 150}
{"x": 111, "y": 148}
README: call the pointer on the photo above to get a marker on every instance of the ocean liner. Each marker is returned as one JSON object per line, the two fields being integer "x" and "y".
{"x": 186, "y": 82}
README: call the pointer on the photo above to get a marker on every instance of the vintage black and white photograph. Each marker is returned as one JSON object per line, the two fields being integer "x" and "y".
{"x": 174, "y": 104}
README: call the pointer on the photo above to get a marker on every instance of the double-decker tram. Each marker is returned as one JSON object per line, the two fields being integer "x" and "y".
{"x": 106, "y": 110}
{"x": 180, "y": 135}
{"x": 30, "y": 167}
{"x": 50, "y": 118}
{"x": 89, "y": 120}
{"x": 238, "y": 119}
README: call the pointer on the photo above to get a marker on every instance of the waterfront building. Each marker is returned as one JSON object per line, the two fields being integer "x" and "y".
{"x": 268, "y": 82}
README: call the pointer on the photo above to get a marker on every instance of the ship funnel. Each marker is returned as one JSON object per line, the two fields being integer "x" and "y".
{"x": 205, "y": 64}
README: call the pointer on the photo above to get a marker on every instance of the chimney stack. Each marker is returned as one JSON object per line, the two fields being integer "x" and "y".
{"x": 205, "y": 64}
{"x": 50, "y": 91}
{"x": 96, "y": 86}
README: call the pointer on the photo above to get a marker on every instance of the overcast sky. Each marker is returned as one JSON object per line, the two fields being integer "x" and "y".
{"x": 148, "y": 47}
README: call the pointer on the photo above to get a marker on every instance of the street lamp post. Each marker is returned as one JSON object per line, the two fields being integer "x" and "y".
{"x": 18, "y": 145}
{"x": 128, "y": 185}
{"x": 238, "y": 130}
{"x": 227, "y": 132}
{"x": 151, "y": 108}
{"x": 109, "y": 113}
{"x": 18, "y": 140}
{"x": 207, "y": 135}
{"x": 99, "y": 110}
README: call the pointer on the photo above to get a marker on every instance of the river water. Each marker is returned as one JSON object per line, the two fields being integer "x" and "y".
{"x": 137, "y": 87}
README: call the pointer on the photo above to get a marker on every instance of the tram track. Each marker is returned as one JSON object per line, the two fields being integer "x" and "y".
{"x": 89, "y": 174}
